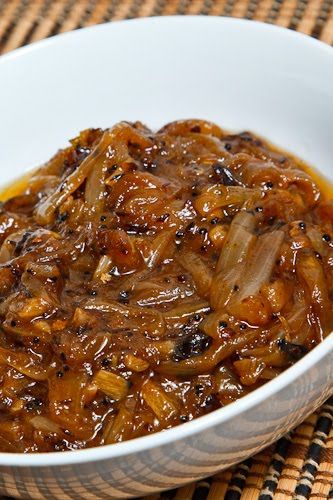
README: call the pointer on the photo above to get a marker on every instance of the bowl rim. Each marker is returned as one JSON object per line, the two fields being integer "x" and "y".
{"x": 220, "y": 415}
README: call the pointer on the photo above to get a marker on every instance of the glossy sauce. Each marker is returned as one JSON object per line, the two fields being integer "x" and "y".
{"x": 147, "y": 279}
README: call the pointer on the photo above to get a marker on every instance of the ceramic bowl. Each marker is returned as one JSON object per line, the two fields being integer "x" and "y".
{"x": 240, "y": 74}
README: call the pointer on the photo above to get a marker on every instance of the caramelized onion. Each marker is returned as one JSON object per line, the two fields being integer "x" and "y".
{"x": 149, "y": 278}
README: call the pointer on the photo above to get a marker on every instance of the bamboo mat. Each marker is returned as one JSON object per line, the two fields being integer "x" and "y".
{"x": 300, "y": 465}
{"x": 25, "y": 21}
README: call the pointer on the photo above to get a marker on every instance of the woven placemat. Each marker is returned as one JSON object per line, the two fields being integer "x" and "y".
{"x": 25, "y": 21}
{"x": 300, "y": 465}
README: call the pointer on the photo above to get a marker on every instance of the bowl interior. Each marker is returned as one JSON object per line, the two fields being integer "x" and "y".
{"x": 242, "y": 75}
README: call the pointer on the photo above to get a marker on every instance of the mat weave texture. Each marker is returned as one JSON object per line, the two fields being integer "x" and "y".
{"x": 300, "y": 465}
{"x": 25, "y": 21}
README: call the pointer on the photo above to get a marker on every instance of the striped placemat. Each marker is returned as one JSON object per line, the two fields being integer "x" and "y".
{"x": 300, "y": 465}
{"x": 25, "y": 21}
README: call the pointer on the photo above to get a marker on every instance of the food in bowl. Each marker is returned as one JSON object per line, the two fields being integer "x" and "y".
{"x": 147, "y": 279}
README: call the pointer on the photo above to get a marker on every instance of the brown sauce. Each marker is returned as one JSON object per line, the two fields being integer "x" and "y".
{"x": 147, "y": 279}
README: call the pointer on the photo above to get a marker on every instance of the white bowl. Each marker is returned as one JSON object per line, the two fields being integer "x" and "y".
{"x": 241, "y": 74}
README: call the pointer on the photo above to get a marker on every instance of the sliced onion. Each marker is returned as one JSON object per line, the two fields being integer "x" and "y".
{"x": 28, "y": 365}
{"x": 311, "y": 274}
{"x": 201, "y": 274}
{"x": 158, "y": 248}
{"x": 237, "y": 242}
{"x": 8, "y": 247}
{"x": 246, "y": 303}
{"x": 95, "y": 187}
{"x": 178, "y": 316}
{"x": 149, "y": 320}
{"x": 113, "y": 145}
{"x": 260, "y": 267}
{"x": 164, "y": 406}
{"x": 234, "y": 255}
{"x": 46, "y": 210}
{"x": 45, "y": 425}
{"x": 103, "y": 268}
{"x": 219, "y": 196}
